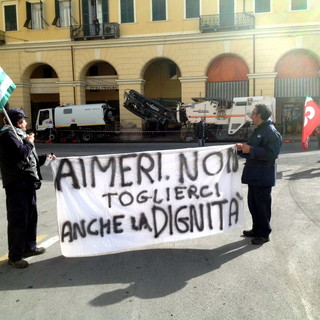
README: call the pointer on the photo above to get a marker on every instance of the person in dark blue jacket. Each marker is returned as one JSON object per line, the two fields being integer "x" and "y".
{"x": 20, "y": 171}
{"x": 259, "y": 172}
{"x": 201, "y": 132}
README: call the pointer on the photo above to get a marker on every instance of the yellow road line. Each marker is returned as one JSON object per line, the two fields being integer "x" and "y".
{"x": 4, "y": 258}
{"x": 41, "y": 237}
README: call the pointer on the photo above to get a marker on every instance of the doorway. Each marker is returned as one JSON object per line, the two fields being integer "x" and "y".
{"x": 291, "y": 117}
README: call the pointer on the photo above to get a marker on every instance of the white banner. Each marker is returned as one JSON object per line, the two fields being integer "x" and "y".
{"x": 116, "y": 202}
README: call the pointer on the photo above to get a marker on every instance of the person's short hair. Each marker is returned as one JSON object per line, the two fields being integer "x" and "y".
{"x": 264, "y": 111}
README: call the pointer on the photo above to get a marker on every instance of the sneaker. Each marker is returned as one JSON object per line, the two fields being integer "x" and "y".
{"x": 18, "y": 264}
{"x": 249, "y": 233}
{"x": 259, "y": 240}
{"x": 35, "y": 252}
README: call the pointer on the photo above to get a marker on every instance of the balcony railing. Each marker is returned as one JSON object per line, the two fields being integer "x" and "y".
{"x": 2, "y": 38}
{"x": 217, "y": 22}
{"x": 95, "y": 31}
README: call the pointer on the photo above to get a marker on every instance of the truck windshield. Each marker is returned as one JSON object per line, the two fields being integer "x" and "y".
{"x": 44, "y": 115}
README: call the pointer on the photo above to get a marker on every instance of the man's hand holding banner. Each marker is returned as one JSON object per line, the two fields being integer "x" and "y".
{"x": 117, "y": 202}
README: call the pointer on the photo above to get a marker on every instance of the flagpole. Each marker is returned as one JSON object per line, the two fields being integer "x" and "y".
{"x": 13, "y": 128}
{"x": 6, "y": 88}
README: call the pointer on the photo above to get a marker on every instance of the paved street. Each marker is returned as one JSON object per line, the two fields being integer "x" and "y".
{"x": 221, "y": 277}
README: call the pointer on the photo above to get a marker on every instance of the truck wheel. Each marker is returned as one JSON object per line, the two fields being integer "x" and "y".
{"x": 87, "y": 137}
{"x": 51, "y": 135}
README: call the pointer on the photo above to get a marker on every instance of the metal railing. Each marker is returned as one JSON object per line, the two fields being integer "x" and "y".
{"x": 215, "y": 22}
{"x": 95, "y": 31}
{"x": 2, "y": 38}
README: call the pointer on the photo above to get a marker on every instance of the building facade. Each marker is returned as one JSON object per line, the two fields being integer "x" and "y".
{"x": 88, "y": 51}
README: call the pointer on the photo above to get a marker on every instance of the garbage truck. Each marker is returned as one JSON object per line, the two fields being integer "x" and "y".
{"x": 83, "y": 122}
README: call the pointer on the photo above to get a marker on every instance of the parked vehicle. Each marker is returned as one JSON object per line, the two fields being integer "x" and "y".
{"x": 84, "y": 122}
{"x": 92, "y": 121}
{"x": 231, "y": 116}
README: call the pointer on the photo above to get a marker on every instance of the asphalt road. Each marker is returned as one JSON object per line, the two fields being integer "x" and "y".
{"x": 221, "y": 277}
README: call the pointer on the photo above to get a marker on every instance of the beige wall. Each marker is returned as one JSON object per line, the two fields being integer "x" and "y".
{"x": 193, "y": 60}
{"x": 175, "y": 23}
{"x": 143, "y": 42}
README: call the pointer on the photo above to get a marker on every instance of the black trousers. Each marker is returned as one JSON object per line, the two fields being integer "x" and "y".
{"x": 22, "y": 219}
{"x": 259, "y": 203}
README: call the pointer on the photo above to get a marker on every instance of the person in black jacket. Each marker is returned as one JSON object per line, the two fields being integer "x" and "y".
{"x": 259, "y": 172}
{"x": 21, "y": 177}
{"x": 201, "y": 132}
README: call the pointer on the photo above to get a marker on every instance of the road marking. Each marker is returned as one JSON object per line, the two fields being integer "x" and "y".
{"x": 3, "y": 259}
{"x": 41, "y": 237}
{"x": 46, "y": 244}
{"x": 50, "y": 242}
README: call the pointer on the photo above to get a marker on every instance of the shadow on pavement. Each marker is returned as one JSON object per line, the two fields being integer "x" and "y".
{"x": 306, "y": 174}
{"x": 149, "y": 273}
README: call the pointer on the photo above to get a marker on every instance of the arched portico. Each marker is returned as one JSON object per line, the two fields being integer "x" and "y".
{"x": 227, "y": 78}
{"x": 297, "y": 76}
{"x": 39, "y": 89}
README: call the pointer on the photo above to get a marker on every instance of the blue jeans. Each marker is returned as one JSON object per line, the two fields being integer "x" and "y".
{"x": 201, "y": 142}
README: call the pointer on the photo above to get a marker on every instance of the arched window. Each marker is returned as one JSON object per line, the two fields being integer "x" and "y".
{"x": 228, "y": 68}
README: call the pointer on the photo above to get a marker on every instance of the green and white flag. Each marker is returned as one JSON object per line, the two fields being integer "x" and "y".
{"x": 6, "y": 88}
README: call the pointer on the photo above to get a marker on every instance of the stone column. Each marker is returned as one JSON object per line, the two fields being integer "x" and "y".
{"x": 192, "y": 87}
{"x": 262, "y": 84}
{"x": 72, "y": 92}
{"x": 20, "y": 98}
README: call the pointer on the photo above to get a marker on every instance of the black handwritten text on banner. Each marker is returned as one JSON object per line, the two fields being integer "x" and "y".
{"x": 116, "y": 202}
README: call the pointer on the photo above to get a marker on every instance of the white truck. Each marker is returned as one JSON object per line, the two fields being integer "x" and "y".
{"x": 83, "y": 122}
{"x": 234, "y": 116}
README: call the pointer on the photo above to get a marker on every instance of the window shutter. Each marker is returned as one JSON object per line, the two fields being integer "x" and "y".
{"x": 28, "y": 22}
{"x": 85, "y": 15}
{"x": 158, "y": 10}
{"x": 127, "y": 11}
{"x": 85, "y": 11}
{"x": 41, "y": 14}
{"x": 56, "y": 20}
{"x": 105, "y": 11}
{"x": 42, "y": 17}
{"x": 70, "y": 11}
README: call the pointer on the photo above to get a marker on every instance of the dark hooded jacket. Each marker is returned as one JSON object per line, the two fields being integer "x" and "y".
{"x": 18, "y": 158}
{"x": 260, "y": 166}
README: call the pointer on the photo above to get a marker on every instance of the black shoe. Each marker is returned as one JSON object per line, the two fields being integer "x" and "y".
{"x": 18, "y": 264}
{"x": 259, "y": 240}
{"x": 249, "y": 233}
{"x": 35, "y": 252}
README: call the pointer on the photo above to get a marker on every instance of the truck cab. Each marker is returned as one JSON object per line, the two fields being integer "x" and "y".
{"x": 45, "y": 124}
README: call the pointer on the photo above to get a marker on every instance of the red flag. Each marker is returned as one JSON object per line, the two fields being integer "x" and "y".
{"x": 311, "y": 120}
